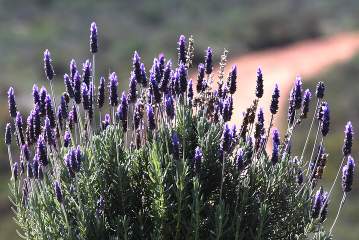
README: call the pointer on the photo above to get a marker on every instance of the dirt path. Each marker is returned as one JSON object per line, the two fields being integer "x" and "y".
{"x": 282, "y": 65}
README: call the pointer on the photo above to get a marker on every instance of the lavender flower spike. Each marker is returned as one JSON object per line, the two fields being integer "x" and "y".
{"x": 15, "y": 170}
{"x": 259, "y": 86}
{"x": 12, "y": 102}
{"x": 85, "y": 97}
{"x": 348, "y": 140}
{"x": 182, "y": 50}
{"x": 41, "y": 151}
{"x": 49, "y": 70}
{"x": 209, "y": 61}
{"x": 182, "y": 72}
{"x": 276, "y": 138}
{"x": 87, "y": 69}
{"x": 275, "y": 100}
{"x": 113, "y": 85}
{"x": 348, "y": 175}
{"x": 232, "y": 80}
{"x": 305, "y": 105}
{"x": 226, "y": 138}
{"x": 8, "y": 134}
{"x": 101, "y": 93}
{"x": 69, "y": 86}
{"x": 67, "y": 139}
{"x": 169, "y": 104}
{"x": 317, "y": 204}
{"x": 93, "y": 38}
{"x": 239, "y": 159}
{"x": 36, "y": 94}
{"x": 151, "y": 118}
{"x": 106, "y": 122}
{"x": 198, "y": 155}
{"x": 200, "y": 77}
{"x": 58, "y": 192}
{"x": 19, "y": 124}
{"x": 325, "y": 120}
{"x": 73, "y": 69}
{"x": 175, "y": 146}
{"x": 50, "y": 113}
{"x": 132, "y": 92}
{"x": 298, "y": 93}
{"x": 320, "y": 90}
{"x": 77, "y": 88}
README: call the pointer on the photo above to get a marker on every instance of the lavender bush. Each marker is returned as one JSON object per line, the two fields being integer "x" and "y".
{"x": 163, "y": 162}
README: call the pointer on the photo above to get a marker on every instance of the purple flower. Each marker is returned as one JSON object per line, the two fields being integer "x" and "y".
{"x": 348, "y": 175}
{"x": 348, "y": 140}
{"x": 161, "y": 64}
{"x": 86, "y": 69}
{"x": 182, "y": 50}
{"x": 232, "y": 80}
{"x": 325, "y": 120}
{"x": 305, "y": 105}
{"x": 8, "y": 134}
{"x": 275, "y": 154}
{"x": 20, "y": 123}
{"x": 208, "y": 61}
{"x": 113, "y": 85}
{"x": 73, "y": 114}
{"x": 101, "y": 93}
{"x": 155, "y": 89}
{"x": 275, "y": 100}
{"x": 182, "y": 73}
{"x": 67, "y": 139}
{"x": 67, "y": 159}
{"x": 49, "y": 70}
{"x": 60, "y": 118}
{"x": 227, "y": 110}
{"x": 68, "y": 85}
{"x": 36, "y": 121}
{"x": 58, "y": 192}
{"x": 175, "y": 145}
{"x": 259, "y": 130}
{"x": 226, "y": 138}
{"x": 324, "y": 210}
{"x": 42, "y": 105}
{"x": 25, "y": 152}
{"x": 320, "y": 90}
{"x": 77, "y": 88}
{"x": 175, "y": 83}
{"x": 320, "y": 112}
{"x": 136, "y": 66}
{"x": 298, "y": 93}
{"x": 12, "y": 102}
{"x": 36, "y": 94}
{"x": 41, "y": 151}
{"x": 151, "y": 118}
{"x": 85, "y": 97}
{"x": 259, "y": 86}
{"x": 73, "y": 69}
{"x": 30, "y": 133}
{"x": 291, "y": 109}
{"x": 49, "y": 134}
{"x": 275, "y": 137}
{"x": 64, "y": 107}
{"x": 317, "y": 204}
{"x": 78, "y": 157}
{"x": 169, "y": 104}
{"x": 93, "y": 38}
{"x": 122, "y": 111}
{"x": 75, "y": 160}
{"x": 15, "y": 170}
{"x": 143, "y": 75}
{"x": 50, "y": 111}
{"x": 240, "y": 159}
{"x": 190, "y": 91}
{"x": 132, "y": 92}
{"x": 200, "y": 78}
{"x": 107, "y": 121}
{"x": 166, "y": 77}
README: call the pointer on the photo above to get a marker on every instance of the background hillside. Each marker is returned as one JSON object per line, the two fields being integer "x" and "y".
{"x": 151, "y": 27}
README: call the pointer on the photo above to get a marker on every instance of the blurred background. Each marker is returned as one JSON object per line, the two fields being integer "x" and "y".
{"x": 317, "y": 39}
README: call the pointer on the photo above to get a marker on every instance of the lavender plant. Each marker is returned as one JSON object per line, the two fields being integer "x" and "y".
{"x": 159, "y": 162}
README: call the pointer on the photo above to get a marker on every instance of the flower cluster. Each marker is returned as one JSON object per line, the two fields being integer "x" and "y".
{"x": 164, "y": 161}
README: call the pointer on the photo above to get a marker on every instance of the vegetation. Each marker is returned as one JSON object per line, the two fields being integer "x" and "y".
{"x": 165, "y": 163}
